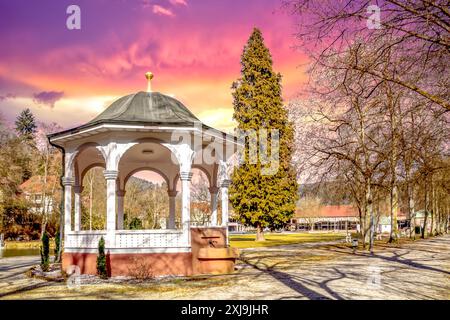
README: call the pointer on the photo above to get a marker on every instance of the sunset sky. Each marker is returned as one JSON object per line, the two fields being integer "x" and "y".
{"x": 193, "y": 47}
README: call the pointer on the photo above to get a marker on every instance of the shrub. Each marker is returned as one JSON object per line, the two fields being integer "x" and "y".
{"x": 140, "y": 269}
{"x": 57, "y": 244}
{"x": 135, "y": 224}
{"x": 45, "y": 250}
{"x": 101, "y": 260}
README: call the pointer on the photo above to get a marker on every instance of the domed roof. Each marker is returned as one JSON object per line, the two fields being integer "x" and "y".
{"x": 146, "y": 107}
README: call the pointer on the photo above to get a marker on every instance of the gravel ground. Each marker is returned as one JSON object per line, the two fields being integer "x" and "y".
{"x": 413, "y": 270}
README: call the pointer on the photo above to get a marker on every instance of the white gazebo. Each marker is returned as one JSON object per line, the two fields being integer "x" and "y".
{"x": 147, "y": 131}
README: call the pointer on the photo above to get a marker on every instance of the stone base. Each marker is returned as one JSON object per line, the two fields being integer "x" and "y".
{"x": 158, "y": 264}
{"x": 209, "y": 255}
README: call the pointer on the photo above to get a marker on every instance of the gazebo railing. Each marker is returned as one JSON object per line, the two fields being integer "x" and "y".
{"x": 124, "y": 239}
{"x": 150, "y": 239}
{"x": 84, "y": 239}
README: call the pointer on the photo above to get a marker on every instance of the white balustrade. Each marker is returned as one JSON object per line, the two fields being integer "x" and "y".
{"x": 128, "y": 239}
{"x": 84, "y": 239}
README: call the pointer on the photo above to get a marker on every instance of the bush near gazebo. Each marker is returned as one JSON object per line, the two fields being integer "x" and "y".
{"x": 57, "y": 245}
{"x": 45, "y": 250}
{"x": 101, "y": 260}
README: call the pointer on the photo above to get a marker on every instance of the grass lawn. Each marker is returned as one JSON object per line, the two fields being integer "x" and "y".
{"x": 32, "y": 244}
{"x": 278, "y": 239}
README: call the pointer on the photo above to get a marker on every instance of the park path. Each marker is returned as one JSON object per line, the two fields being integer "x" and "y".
{"x": 414, "y": 270}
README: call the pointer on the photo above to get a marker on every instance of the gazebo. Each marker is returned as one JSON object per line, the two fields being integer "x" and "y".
{"x": 147, "y": 131}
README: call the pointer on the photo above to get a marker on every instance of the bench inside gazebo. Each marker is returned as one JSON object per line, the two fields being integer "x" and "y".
{"x": 147, "y": 131}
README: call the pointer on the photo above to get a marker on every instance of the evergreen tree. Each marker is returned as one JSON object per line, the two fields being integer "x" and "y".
{"x": 57, "y": 244}
{"x": 262, "y": 200}
{"x": 26, "y": 124}
{"x": 45, "y": 250}
{"x": 101, "y": 260}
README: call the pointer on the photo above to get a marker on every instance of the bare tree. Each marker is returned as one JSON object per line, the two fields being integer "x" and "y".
{"x": 415, "y": 31}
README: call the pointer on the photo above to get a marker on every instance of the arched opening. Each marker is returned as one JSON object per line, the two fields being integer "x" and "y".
{"x": 93, "y": 199}
{"x": 146, "y": 202}
{"x": 200, "y": 197}
{"x": 89, "y": 201}
{"x": 146, "y": 172}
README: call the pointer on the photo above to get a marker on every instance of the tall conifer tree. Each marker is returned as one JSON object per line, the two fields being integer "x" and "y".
{"x": 26, "y": 124}
{"x": 262, "y": 200}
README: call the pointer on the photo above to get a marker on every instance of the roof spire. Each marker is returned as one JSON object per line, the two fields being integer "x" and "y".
{"x": 149, "y": 77}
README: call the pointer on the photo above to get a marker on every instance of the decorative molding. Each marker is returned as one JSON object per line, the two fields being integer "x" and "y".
{"x": 130, "y": 250}
{"x": 120, "y": 193}
{"x": 111, "y": 174}
{"x": 172, "y": 193}
{"x": 185, "y": 176}
{"x": 67, "y": 181}
{"x": 225, "y": 183}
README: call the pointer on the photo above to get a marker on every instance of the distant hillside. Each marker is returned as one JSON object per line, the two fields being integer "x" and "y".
{"x": 144, "y": 184}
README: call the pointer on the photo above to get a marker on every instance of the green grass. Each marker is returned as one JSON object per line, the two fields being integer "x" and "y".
{"x": 32, "y": 244}
{"x": 278, "y": 239}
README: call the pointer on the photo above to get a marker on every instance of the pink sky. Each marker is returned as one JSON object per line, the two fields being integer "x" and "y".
{"x": 192, "y": 47}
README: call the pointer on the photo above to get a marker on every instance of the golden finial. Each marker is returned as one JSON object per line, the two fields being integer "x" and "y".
{"x": 149, "y": 77}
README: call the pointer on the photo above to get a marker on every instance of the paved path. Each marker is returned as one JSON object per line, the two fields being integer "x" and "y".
{"x": 415, "y": 270}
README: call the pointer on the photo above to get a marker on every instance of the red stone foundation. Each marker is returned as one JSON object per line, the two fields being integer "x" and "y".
{"x": 210, "y": 255}
{"x": 129, "y": 264}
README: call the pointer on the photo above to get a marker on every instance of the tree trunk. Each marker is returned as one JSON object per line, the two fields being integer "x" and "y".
{"x": 411, "y": 205}
{"x": 426, "y": 209}
{"x": 368, "y": 221}
{"x": 259, "y": 233}
{"x": 393, "y": 235}
{"x": 433, "y": 212}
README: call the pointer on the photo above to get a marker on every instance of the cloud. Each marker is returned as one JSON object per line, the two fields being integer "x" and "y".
{"x": 7, "y": 96}
{"x": 48, "y": 97}
{"x": 178, "y": 2}
{"x": 157, "y": 9}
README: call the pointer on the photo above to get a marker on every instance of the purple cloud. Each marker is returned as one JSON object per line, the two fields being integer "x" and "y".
{"x": 7, "y": 96}
{"x": 160, "y": 10}
{"x": 178, "y": 2}
{"x": 48, "y": 97}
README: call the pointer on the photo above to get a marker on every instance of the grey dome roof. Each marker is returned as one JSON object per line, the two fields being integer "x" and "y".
{"x": 146, "y": 107}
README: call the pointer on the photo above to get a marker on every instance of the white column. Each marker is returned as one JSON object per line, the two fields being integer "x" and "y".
{"x": 172, "y": 196}
{"x": 186, "y": 204}
{"x": 68, "y": 183}
{"x": 111, "y": 185}
{"x": 77, "y": 207}
{"x": 224, "y": 189}
{"x": 120, "y": 208}
{"x": 213, "y": 191}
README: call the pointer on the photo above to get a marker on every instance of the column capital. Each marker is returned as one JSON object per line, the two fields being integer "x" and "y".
{"x": 225, "y": 183}
{"x": 120, "y": 193}
{"x": 172, "y": 193}
{"x": 213, "y": 189}
{"x": 185, "y": 176}
{"x": 68, "y": 181}
{"x": 111, "y": 174}
{"x": 78, "y": 189}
